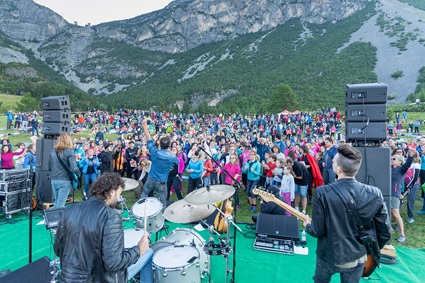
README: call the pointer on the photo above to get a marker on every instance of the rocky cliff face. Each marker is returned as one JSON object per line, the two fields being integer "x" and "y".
{"x": 25, "y": 20}
{"x": 186, "y": 24}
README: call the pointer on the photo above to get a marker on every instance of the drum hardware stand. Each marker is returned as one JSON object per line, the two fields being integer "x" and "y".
{"x": 124, "y": 206}
{"x": 237, "y": 185}
{"x": 164, "y": 228}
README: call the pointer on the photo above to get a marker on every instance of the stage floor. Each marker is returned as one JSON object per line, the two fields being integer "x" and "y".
{"x": 251, "y": 265}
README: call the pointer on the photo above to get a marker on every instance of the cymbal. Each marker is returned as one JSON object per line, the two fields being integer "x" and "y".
{"x": 183, "y": 212}
{"x": 130, "y": 184}
{"x": 214, "y": 194}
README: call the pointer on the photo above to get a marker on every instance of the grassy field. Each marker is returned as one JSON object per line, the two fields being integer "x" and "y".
{"x": 8, "y": 101}
{"x": 415, "y": 232}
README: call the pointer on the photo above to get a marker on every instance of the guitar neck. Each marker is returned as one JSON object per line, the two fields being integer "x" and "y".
{"x": 290, "y": 209}
{"x": 270, "y": 197}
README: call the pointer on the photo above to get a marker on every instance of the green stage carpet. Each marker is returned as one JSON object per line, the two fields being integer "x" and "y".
{"x": 252, "y": 265}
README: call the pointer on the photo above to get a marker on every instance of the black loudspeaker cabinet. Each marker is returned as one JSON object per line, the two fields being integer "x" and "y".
{"x": 278, "y": 226}
{"x": 61, "y": 116}
{"x": 43, "y": 187}
{"x": 38, "y": 271}
{"x": 366, "y": 93}
{"x": 359, "y": 131}
{"x": 15, "y": 201}
{"x": 55, "y": 103}
{"x": 366, "y": 112}
{"x": 376, "y": 168}
{"x": 55, "y": 128}
{"x": 44, "y": 147}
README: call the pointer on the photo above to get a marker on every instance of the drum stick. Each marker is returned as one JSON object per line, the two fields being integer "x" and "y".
{"x": 144, "y": 216}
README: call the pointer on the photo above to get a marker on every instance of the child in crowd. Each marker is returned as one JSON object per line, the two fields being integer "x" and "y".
{"x": 287, "y": 188}
{"x": 269, "y": 168}
{"x": 278, "y": 173}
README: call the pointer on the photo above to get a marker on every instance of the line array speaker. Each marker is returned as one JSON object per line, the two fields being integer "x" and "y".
{"x": 366, "y": 112}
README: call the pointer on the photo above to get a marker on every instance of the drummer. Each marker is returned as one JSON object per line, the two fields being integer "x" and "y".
{"x": 90, "y": 239}
{"x": 162, "y": 161}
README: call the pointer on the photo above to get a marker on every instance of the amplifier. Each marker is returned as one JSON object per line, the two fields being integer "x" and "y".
{"x": 14, "y": 174}
{"x": 278, "y": 226}
{"x": 15, "y": 185}
{"x": 268, "y": 244}
{"x": 15, "y": 201}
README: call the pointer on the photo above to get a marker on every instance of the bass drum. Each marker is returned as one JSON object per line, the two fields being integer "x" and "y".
{"x": 186, "y": 237}
{"x": 176, "y": 264}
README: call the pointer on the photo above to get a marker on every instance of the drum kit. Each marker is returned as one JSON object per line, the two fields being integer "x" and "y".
{"x": 182, "y": 255}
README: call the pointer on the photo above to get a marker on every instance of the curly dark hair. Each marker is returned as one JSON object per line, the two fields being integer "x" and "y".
{"x": 107, "y": 182}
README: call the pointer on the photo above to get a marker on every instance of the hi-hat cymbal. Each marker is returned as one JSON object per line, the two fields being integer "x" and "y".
{"x": 183, "y": 212}
{"x": 212, "y": 195}
{"x": 130, "y": 184}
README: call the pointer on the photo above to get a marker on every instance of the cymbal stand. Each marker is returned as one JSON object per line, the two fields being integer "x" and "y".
{"x": 55, "y": 263}
{"x": 237, "y": 185}
{"x": 123, "y": 205}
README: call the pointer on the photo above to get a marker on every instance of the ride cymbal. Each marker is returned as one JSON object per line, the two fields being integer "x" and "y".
{"x": 214, "y": 194}
{"x": 183, "y": 212}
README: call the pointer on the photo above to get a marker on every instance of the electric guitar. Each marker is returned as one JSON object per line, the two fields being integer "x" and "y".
{"x": 372, "y": 261}
{"x": 270, "y": 197}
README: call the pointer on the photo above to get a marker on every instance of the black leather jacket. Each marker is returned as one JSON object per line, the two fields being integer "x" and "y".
{"x": 90, "y": 244}
{"x": 336, "y": 229}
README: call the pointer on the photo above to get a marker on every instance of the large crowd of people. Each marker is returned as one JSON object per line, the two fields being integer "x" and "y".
{"x": 288, "y": 154}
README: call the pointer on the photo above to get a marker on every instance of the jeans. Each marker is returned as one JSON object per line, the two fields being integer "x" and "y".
{"x": 206, "y": 181}
{"x": 411, "y": 200}
{"x": 325, "y": 270}
{"x": 193, "y": 184}
{"x": 250, "y": 186}
{"x": 144, "y": 265}
{"x": 61, "y": 190}
{"x": 160, "y": 187}
{"x": 89, "y": 179}
{"x": 176, "y": 183}
{"x": 34, "y": 129}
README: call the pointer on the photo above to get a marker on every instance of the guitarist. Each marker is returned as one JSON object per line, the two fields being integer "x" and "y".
{"x": 339, "y": 249}
{"x": 271, "y": 207}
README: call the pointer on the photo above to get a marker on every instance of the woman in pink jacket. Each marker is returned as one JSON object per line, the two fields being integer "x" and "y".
{"x": 7, "y": 156}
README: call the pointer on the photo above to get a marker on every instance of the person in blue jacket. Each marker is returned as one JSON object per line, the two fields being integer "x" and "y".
{"x": 195, "y": 170}
{"x": 89, "y": 164}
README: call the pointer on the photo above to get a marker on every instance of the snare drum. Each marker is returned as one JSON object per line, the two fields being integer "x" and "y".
{"x": 186, "y": 237}
{"x": 132, "y": 237}
{"x": 176, "y": 264}
{"x": 154, "y": 218}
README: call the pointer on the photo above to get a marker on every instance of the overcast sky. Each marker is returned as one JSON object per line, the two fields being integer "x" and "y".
{"x": 100, "y": 11}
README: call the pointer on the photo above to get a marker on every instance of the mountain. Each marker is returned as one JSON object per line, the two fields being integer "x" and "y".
{"x": 200, "y": 53}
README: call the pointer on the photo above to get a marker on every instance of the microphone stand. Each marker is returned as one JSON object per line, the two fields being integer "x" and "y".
{"x": 30, "y": 213}
{"x": 236, "y": 185}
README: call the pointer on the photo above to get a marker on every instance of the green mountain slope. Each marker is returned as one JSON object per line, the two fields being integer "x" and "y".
{"x": 247, "y": 68}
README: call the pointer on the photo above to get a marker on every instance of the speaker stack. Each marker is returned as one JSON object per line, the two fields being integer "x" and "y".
{"x": 366, "y": 115}
{"x": 56, "y": 121}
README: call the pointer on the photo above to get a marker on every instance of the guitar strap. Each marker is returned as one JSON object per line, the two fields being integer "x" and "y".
{"x": 66, "y": 168}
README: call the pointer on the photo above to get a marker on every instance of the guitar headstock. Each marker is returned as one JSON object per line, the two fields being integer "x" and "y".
{"x": 265, "y": 195}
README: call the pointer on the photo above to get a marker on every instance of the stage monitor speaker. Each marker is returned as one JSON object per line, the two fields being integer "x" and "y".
{"x": 360, "y": 131}
{"x": 55, "y": 103}
{"x": 55, "y": 128}
{"x": 57, "y": 116}
{"x": 278, "y": 226}
{"x": 366, "y": 93}
{"x": 366, "y": 112}
{"x": 38, "y": 271}
{"x": 375, "y": 169}
{"x": 44, "y": 147}
{"x": 44, "y": 192}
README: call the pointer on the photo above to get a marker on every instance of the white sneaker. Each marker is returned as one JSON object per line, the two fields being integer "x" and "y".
{"x": 304, "y": 212}
{"x": 410, "y": 220}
